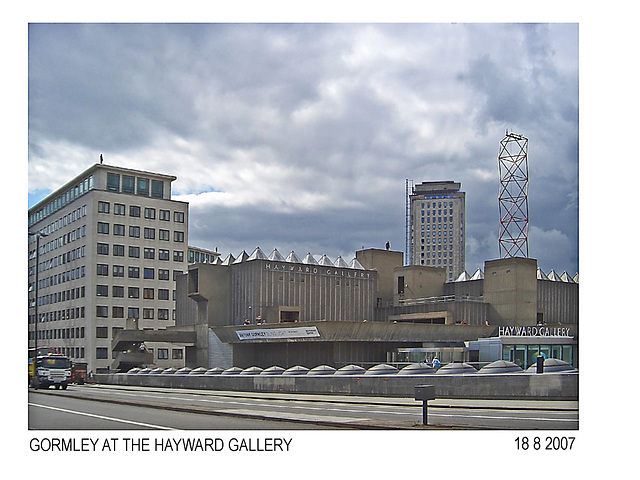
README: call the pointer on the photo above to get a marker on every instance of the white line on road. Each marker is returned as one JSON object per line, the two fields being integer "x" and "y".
{"x": 102, "y": 417}
{"x": 257, "y": 405}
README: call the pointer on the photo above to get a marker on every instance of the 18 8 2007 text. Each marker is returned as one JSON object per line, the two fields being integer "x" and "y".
{"x": 548, "y": 443}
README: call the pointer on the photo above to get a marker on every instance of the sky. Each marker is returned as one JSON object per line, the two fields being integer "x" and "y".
{"x": 301, "y": 136}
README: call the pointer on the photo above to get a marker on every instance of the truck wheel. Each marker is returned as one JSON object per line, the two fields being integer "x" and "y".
{"x": 57, "y": 386}
{"x": 64, "y": 387}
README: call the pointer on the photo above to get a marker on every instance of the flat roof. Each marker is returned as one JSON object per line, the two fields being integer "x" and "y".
{"x": 91, "y": 169}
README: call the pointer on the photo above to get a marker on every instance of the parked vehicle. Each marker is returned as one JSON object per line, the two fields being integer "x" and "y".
{"x": 52, "y": 369}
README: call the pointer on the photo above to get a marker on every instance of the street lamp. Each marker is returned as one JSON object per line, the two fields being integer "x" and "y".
{"x": 35, "y": 332}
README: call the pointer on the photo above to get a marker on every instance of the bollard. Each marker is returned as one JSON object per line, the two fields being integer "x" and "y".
{"x": 540, "y": 364}
{"x": 425, "y": 393}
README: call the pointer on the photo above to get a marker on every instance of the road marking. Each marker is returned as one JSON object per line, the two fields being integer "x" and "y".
{"x": 498, "y": 417}
{"x": 102, "y": 417}
{"x": 258, "y": 405}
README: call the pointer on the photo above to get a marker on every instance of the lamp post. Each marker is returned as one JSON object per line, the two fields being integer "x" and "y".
{"x": 35, "y": 331}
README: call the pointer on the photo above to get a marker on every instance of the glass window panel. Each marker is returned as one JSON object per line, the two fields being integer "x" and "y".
{"x": 128, "y": 184}
{"x": 519, "y": 356}
{"x": 567, "y": 354}
{"x": 532, "y": 353}
{"x": 113, "y": 182}
{"x": 157, "y": 188}
{"x": 143, "y": 186}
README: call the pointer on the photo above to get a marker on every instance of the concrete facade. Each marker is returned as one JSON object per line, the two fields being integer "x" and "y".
{"x": 510, "y": 289}
{"x": 431, "y": 317}
{"x": 384, "y": 262}
{"x": 280, "y": 291}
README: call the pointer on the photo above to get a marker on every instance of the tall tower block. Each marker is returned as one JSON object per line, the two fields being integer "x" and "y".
{"x": 436, "y": 226}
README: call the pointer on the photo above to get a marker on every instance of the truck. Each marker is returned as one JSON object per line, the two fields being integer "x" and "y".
{"x": 50, "y": 369}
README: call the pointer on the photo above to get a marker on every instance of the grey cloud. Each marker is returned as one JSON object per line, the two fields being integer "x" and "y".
{"x": 340, "y": 114}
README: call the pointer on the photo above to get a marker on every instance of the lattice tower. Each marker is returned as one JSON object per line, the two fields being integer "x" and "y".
{"x": 514, "y": 186}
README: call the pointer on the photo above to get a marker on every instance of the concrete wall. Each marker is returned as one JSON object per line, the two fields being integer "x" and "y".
{"x": 558, "y": 301}
{"x": 209, "y": 286}
{"x": 510, "y": 287}
{"x": 419, "y": 282}
{"x": 546, "y": 386}
{"x": 384, "y": 262}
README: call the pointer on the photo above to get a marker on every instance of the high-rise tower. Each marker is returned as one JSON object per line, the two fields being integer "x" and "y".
{"x": 436, "y": 232}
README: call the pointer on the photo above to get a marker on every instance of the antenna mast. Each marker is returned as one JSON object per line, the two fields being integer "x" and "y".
{"x": 408, "y": 252}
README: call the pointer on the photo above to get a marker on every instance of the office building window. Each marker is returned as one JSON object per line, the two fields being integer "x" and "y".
{"x": 134, "y": 252}
{"x": 164, "y": 235}
{"x": 133, "y": 292}
{"x": 149, "y": 253}
{"x": 118, "y": 291}
{"x": 102, "y": 332}
{"x": 143, "y": 187}
{"x": 128, "y": 184}
{"x": 134, "y": 272}
{"x": 102, "y": 290}
{"x": 133, "y": 312}
{"x": 148, "y": 293}
{"x": 149, "y": 273}
{"x": 178, "y": 237}
{"x": 113, "y": 182}
{"x": 163, "y": 274}
{"x": 134, "y": 211}
{"x": 163, "y": 354}
{"x": 178, "y": 256}
{"x": 177, "y": 353}
{"x": 157, "y": 188}
{"x": 178, "y": 217}
{"x": 147, "y": 313}
{"x": 118, "y": 250}
{"x": 150, "y": 233}
{"x": 134, "y": 231}
{"x": 103, "y": 228}
{"x": 163, "y": 314}
{"x": 163, "y": 254}
{"x": 165, "y": 215}
{"x": 119, "y": 209}
{"x": 117, "y": 312}
{"x": 150, "y": 213}
{"x": 102, "y": 249}
{"x": 102, "y": 270}
{"x": 102, "y": 311}
{"x": 103, "y": 207}
{"x": 102, "y": 353}
{"x": 118, "y": 230}
{"x": 163, "y": 294}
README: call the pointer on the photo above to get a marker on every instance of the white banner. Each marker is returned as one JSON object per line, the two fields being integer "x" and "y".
{"x": 297, "y": 332}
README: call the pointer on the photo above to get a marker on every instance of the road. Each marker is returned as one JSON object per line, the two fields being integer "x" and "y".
{"x": 110, "y": 407}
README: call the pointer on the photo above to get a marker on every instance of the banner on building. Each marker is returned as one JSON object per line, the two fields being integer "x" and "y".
{"x": 275, "y": 333}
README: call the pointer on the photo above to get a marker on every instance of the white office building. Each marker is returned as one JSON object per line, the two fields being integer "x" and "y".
{"x": 437, "y": 227}
{"x": 111, "y": 242}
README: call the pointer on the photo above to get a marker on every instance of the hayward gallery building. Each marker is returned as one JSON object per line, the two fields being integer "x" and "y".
{"x": 259, "y": 310}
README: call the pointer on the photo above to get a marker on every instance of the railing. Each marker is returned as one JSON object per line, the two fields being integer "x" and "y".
{"x": 441, "y": 299}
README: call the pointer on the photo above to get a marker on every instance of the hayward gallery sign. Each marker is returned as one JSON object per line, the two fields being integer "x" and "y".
{"x": 537, "y": 331}
{"x": 318, "y": 270}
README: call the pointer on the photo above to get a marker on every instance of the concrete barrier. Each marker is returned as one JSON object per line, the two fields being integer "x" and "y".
{"x": 521, "y": 386}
